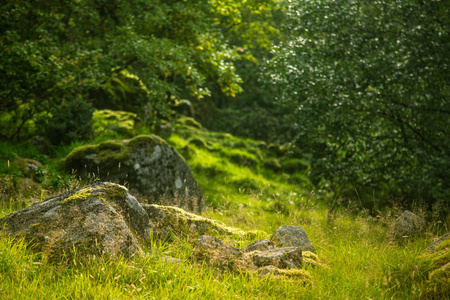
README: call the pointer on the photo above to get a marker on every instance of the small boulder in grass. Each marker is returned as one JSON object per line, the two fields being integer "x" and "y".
{"x": 406, "y": 226}
{"x": 292, "y": 236}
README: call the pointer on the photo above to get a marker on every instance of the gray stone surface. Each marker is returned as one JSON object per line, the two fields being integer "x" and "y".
{"x": 407, "y": 225}
{"x": 100, "y": 219}
{"x": 215, "y": 252}
{"x": 260, "y": 245}
{"x": 282, "y": 258}
{"x": 292, "y": 236}
{"x": 153, "y": 171}
{"x": 219, "y": 254}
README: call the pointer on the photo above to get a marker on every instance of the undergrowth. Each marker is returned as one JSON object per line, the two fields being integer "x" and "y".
{"x": 245, "y": 187}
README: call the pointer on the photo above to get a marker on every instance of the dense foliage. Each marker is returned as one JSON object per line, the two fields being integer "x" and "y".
{"x": 133, "y": 55}
{"x": 369, "y": 84}
{"x": 361, "y": 87}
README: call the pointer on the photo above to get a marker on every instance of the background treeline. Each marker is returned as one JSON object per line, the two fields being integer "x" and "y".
{"x": 361, "y": 88}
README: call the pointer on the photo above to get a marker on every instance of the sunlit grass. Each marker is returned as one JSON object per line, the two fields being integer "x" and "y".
{"x": 359, "y": 261}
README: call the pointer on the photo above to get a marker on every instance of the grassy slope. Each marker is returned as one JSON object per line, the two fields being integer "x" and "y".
{"x": 242, "y": 192}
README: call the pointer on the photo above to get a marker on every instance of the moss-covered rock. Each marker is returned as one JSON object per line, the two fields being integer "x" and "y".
{"x": 435, "y": 260}
{"x": 100, "y": 219}
{"x": 29, "y": 168}
{"x": 189, "y": 122}
{"x": 109, "y": 122}
{"x": 153, "y": 170}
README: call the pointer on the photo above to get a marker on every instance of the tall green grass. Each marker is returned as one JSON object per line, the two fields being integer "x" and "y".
{"x": 359, "y": 260}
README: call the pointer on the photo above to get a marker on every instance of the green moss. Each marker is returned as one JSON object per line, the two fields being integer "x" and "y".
{"x": 311, "y": 259}
{"x": 183, "y": 223}
{"x": 109, "y": 154}
{"x": 189, "y": 122}
{"x": 295, "y": 274}
{"x": 241, "y": 157}
{"x": 110, "y": 122}
{"x": 145, "y": 140}
{"x": 293, "y": 165}
{"x": 80, "y": 195}
{"x": 272, "y": 164}
{"x": 104, "y": 191}
{"x": 436, "y": 262}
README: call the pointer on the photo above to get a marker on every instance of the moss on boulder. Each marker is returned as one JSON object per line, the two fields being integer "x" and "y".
{"x": 435, "y": 260}
{"x": 153, "y": 170}
{"x": 172, "y": 221}
{"x": 100, "y": 219}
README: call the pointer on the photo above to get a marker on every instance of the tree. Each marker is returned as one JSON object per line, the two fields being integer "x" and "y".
{"x": 136, "y": 54}
{"x": 368, "y": 82}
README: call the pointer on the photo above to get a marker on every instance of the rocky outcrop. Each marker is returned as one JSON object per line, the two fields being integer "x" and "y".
{"x": 153, "y": 171}
{"x": 435, "y": 261}
{"x": 292, "y": 236}
{"x": 100, "y": 219}
{"x": 104, "y": 219}
{"x": 407, "y": 225}
{"x": 172, "y": 221}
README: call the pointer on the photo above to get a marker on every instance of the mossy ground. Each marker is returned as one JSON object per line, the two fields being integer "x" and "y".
{"x": 359, "y": 261}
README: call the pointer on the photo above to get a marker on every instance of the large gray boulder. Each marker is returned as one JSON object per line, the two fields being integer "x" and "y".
{"x": 100, "y": 219}
{"x": 293, "y": 236}
{"x": 152, "y": 170}
{"x": 406, "y": 226}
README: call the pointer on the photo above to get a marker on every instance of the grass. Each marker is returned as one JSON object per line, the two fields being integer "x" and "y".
{"x": 361, "y": 262}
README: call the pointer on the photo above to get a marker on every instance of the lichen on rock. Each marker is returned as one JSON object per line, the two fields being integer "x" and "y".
{"x": 153, "y": 170}
{"x": 172, "y": 221}
{"x": 100, "y": 219}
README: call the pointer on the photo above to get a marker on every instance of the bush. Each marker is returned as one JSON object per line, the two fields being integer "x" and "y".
{"x": 70, "y": 121}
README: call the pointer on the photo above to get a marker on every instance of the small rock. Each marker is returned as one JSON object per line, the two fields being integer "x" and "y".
{"x": 406, "y": 226}
{"x": 261, "y": 245}
{"x": 292, "y": 236}
{"x": 282, "y": 258}
{"x": 216, "y": 252}
{"x": 30, "y": 168}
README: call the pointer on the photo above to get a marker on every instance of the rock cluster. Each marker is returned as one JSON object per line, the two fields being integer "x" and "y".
{"x": 104, "y": 219}
{"x": 261, "y": 256}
